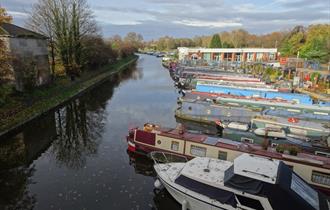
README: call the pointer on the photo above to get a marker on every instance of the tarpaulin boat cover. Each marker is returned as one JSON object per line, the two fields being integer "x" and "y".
{"x": 290, "y": 191}
{"x": 212, "y": 192}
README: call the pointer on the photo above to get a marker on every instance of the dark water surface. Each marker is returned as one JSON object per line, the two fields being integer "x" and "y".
{"x": 75, "y": 157}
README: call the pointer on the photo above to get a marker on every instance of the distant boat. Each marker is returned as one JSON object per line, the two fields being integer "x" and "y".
{"x": 250, "y": 182}
{"x": 271, "y": 132}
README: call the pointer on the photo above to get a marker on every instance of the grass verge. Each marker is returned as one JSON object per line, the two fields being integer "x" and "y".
{"x": 23, "y": 108}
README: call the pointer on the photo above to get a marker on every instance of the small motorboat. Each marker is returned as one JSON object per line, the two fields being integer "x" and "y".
{"x": 251, "y": 182}
{"x": 271, "y": 132}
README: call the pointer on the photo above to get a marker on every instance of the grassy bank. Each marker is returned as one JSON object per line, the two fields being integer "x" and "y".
{"x": 20, "y": 109}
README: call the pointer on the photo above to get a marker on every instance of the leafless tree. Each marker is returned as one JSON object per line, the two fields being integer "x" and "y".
{"x": 66, "y": 23}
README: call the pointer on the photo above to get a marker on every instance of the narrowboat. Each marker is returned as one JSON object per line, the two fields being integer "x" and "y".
{"x": 249, "y": 182}
{"x": 298, "y": 98}
{"x": 293, "y": 126}
{"x": 265, "y": 103}
{"x": 313, "y": 168}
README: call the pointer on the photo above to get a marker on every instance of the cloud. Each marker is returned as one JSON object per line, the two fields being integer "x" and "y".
{"x": 185, "y": 18}
{"x": 211, "y": 24}
{"x": 18, "y": 14}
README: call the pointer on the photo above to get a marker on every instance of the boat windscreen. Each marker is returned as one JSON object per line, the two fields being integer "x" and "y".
{"x": 220, "y": 195}
{"x": 245, "y": 184}
{"x": 305, "y": 191}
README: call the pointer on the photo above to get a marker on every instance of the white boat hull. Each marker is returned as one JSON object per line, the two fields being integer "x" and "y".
{"x": 190, "y": 202}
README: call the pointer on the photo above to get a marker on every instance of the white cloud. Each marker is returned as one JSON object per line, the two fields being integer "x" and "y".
{"x": 16, "y": 14}
{"x": 121, "y": 17}
{"x": 211, "y": 24}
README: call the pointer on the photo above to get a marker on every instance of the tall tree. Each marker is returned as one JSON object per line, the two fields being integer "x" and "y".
{"x": 293, "y": 42}
{"x": 4, "y": 17}
{"x": 66, "y": 22}
{"x": 4, "y": 55}
{"x": 215, "y": 41}
{"x": 134, "y": 39}
{"x": 317, "y": 46}
{"x": 239, "y": 37}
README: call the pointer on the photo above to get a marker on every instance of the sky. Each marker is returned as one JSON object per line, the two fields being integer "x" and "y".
{"x": 189, "y": 18}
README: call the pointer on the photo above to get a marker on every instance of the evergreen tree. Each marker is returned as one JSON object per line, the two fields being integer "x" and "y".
{"x": 215, "y": 41}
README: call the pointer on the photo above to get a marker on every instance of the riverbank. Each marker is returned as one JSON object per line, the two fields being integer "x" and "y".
{"x": 24, "y": 108}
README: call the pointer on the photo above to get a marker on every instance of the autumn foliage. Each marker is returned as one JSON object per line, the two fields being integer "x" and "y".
{"x": 4, "y": 56}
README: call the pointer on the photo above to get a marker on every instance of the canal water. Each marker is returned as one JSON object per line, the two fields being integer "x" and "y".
{"x": 76, "y": 158}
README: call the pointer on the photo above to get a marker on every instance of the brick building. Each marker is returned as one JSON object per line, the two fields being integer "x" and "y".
{"x": 229, "y": 54}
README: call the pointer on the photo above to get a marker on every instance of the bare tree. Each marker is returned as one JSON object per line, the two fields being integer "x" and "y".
{"x": 66, "y": 23}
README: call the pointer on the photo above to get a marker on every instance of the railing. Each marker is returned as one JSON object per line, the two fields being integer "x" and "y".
{"x": 167, "y": 157}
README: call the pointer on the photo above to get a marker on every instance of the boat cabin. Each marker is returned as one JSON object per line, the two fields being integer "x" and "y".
{"x": 250, "y": 182}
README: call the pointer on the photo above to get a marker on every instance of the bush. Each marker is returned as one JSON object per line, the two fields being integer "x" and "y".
{"x": 97, "y": 53}
{"x": 293, "y": 150}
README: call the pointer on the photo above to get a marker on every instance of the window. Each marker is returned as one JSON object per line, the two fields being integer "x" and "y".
{"x": 274, "y": 145}
{"x": 198, "y": 151}
{"x": 305, "y": 191}
{"x": 247, "y": 140}
{"x": 323, "y": 154}
{"x": 222, "y": 155}
{"x": 321, "y": 178}
{"x": 249, "y": 202}
{"x": 175, "y": 146}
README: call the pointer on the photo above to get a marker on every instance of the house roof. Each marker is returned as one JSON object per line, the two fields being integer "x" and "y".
{"x": 11, "y": 30}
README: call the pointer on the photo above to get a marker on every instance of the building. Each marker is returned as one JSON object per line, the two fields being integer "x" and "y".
{"x": 29, "y": 51}
{"x": 229, "y": 54}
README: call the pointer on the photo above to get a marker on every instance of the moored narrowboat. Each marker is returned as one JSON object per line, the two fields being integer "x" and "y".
{"x": 315, "y": 169}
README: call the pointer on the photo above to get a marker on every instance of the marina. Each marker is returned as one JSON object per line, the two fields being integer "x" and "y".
{"x": 164, "y": 105}
{"x": 62, "y": 141}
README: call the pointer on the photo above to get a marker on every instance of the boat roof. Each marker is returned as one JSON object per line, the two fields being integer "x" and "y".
{"x": 302, "y": 124}
{"x": 301, "y": 157}
{"x": 256, "y": 167}
{"x": 207, "y": 170}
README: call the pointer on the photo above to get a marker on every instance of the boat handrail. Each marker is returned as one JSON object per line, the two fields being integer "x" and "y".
{"x": 166, "y": 155}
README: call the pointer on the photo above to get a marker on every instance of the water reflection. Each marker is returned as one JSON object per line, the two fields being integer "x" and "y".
{"x": 80, "y": 124}
{"x": 144, "y": 166}
{"x": 14, "y": 188}
{"x": 70, "y": 135}
{"x": 16, "y": 157}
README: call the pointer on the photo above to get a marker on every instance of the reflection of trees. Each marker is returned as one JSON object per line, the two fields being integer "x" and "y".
{"x": 163, "y": 201}
{"x": 81, "y": 122}
{"x": 78, "y": 133}
{"x": 142, "y": 165}
{"x": 13, "y": 191}
{"x": 16, "y": 154}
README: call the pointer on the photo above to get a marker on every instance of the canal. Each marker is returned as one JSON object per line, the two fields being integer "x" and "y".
{"x": 76, "y": 158}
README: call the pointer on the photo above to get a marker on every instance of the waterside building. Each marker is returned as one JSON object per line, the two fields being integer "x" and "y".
{"x": 229, "y": 54}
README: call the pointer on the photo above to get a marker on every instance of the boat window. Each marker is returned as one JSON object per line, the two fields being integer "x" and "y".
{"x": 247, "y": 140}
{"x": 249, "y": 202}
{"x": 175, "y": 146}
{"x": 198, "y": 151}
{"x": 215, "y": 193}
{"x": 321, "y": 178}
{"x": 304, "y": 191}
{"x": 222, "y": 155}
{"x": 297, "y": 101}
{"x": 323, "y": 154}
{"x": 274, "y": 145}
